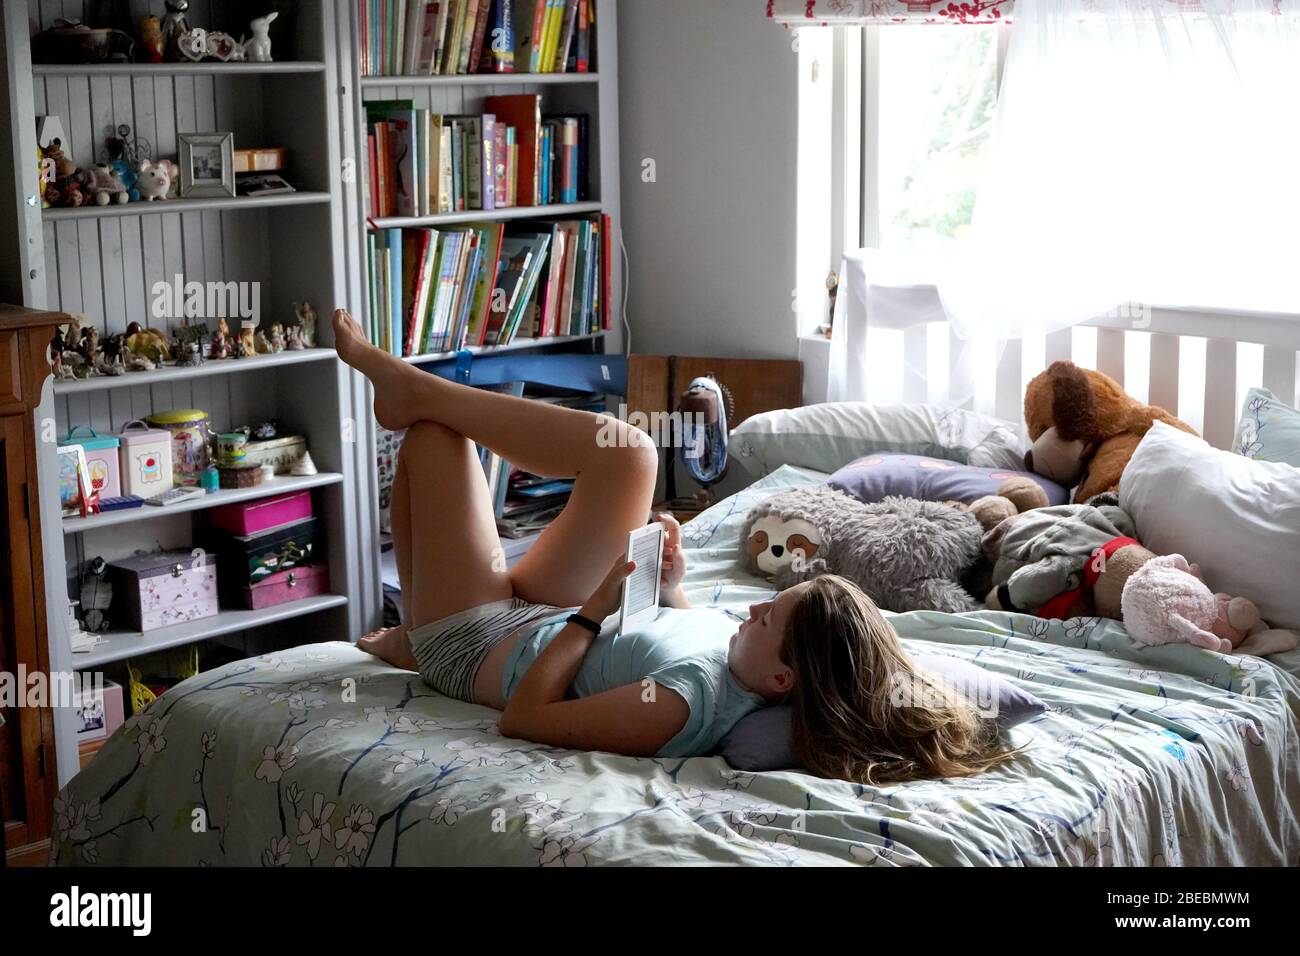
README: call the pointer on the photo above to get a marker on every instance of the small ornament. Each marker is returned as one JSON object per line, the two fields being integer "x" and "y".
{"x": 154, "y": 180}
{"x": 221, "y": 340}
{"x": 151, "y": 45}
{"x": 304, "y": 466}
{"x": 248, "y": 338}
{"x": 307, "y": 319}
{"x": 89, "y": 345}
{"x": 174, "y": 26}
{"x": 257, "y": 48}
{"x": 150, "y": 343}
{"x": 267, "y": 430}
{"x": 138, "y": 363}
{"x": 191, "y": 355}
{"x": 262, "y": 343}
{"x": 275, "y": 338}
{"x": 210, "y": 480}
{"x": 96, "y": 596}
{"x": 113, "y": 355}
{"x": 293, "y": 335}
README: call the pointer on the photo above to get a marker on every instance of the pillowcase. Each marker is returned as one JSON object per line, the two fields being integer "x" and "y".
{"x": 1269, "y": 430}
{"x": 762, "y": 740}
{"x": 1237, "y": 518}
{"x": 826, "y": 436}
{"x": 930, "y": 479}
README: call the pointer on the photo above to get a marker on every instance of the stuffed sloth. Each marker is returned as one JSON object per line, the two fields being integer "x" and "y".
{"x": 1084, "y": 428}
{"x": 905, "y": 554}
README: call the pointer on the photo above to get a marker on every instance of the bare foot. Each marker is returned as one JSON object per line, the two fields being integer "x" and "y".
{"x": 391, "y": 377}
{"x": 390, "y": 645}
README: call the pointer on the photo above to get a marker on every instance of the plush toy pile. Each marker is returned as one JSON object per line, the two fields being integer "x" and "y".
{"x": 1010, "y": 551}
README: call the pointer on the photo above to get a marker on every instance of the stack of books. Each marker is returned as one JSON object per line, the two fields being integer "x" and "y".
{"x": 458, "y": 37}
{"x": 423, "y": 163}
{"x": 483, "y": 284}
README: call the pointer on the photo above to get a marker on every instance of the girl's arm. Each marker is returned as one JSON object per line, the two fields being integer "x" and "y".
{"x": 635, "y": 719}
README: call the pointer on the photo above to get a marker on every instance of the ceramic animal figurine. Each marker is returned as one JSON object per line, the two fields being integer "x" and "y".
{"x": 155, "y": 180}
{"x": 257, "y": 48}
{"x": 112, "y": 355}
{"x": 150, "y": 343}
{"x": 138, "y": 363}
{"x": 89, "y": 345}
{"x": 261, "y": 343}
{"x": 151, "y": 45}
{"x": 57, "y": 347}
{"x": 103, "y": 185}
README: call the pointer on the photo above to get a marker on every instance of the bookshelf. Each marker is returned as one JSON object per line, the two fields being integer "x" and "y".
{"x": 103, "y": 262}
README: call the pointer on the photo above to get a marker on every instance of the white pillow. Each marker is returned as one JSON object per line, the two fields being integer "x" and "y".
{"x": 828, "y": 436}
{"x": 1238, "y": 519}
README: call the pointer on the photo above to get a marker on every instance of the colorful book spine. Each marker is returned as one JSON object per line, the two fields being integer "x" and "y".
{"x": 474, "y": 163}
{"x": 500, "y": 149}
{"x": 502, "y": 38}
{"x": 480, "y": 31}
{"x": 583, "y": 62}
{"x": 487, "y": 161}
{"x": 467, "y": 39}
{"x": 565, "y": 43}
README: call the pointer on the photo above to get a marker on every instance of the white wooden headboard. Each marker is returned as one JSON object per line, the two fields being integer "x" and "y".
{"x": 1196, "y": 365}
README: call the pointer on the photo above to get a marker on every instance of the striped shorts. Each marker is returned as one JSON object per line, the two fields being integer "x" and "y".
{"x": 451, "y": 650}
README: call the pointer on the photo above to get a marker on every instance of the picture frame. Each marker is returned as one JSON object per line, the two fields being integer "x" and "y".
{"x": 207, "y": 162}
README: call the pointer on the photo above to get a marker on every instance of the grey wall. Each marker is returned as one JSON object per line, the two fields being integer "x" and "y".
{"x": 708, "y": 90}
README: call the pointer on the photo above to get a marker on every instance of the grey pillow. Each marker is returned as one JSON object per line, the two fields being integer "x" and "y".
{"x": 761, "y": 740}
{"x": 876, "y": 477}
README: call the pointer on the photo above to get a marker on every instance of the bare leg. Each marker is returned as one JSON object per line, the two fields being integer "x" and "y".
{"x": 614, "y": 466}
{"x": 390, "y": 643}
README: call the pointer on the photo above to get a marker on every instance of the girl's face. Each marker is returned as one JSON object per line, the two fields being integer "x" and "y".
{"x": 755, "y": 651}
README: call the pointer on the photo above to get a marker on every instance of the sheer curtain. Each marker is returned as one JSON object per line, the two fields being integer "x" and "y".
{"x": 1144, "y": 152}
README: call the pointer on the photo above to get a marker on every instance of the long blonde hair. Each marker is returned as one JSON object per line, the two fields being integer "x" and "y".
{"x": 862, "y": 711}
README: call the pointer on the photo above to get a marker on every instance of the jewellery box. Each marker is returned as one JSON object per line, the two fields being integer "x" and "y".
{"x": 165, "y": 588}
{"x": 248, "y": 559}
{"x": 250, "y": 517}
{"x": 284, "y": 586}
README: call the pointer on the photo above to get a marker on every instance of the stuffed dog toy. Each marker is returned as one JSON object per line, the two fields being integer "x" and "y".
{"x": 1084, "y": 428}
{"x": 905, "y": 554}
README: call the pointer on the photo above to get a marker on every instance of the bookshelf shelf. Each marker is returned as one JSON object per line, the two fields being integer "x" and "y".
{"x": 170, "y": 374}
{"x": 276, "y": 486}
{"x": 163, "y": 207}
{"x": 177, "y": 69}
{"x": 120, "y": 645}
{"x": 508, "y": 347}
{"x": 484, "y": 79}
{"x": 559, "y": 210}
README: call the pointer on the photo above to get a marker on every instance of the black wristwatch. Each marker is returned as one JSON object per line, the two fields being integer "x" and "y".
{"x": 586, "y": 622}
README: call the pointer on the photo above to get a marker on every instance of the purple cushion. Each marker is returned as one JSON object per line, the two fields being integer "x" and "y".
{"x": 761, "y": 740}
{"x": 876, "y": 477}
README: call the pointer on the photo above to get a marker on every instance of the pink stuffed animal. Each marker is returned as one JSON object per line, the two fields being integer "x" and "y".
{"x": 1165, "y": 602}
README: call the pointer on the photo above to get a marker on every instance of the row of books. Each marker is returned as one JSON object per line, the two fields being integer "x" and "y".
{"x": 486, "y": 284}
{"x": 459, "y": 37}
{"x": 423, "y": 163}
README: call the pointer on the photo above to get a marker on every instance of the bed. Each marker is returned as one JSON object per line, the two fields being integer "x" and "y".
{"x": 323, "y": 756}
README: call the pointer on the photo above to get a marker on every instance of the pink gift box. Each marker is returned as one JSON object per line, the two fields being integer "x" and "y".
{"x": 285, "y": 586}
{"x": 250, "y": 517}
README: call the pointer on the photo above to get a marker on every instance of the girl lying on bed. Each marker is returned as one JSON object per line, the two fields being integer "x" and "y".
{"x": 524, "y": 640}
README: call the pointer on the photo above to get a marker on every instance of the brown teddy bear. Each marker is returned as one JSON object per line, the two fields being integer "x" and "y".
{"x": 1084, "y": 428}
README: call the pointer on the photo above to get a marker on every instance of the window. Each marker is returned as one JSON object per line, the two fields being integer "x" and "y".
{"x": 894, "y": 122}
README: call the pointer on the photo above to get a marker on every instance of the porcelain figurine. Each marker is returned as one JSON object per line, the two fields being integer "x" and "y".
{"x": 58, "y": 345}
{"x": 220, "y": 340}
{"x": 257, "y": 48}
{"x": 113, "y": 355}
{"x": 275, "y": 337}
{"x": 150, "y": 343}
{"x": 293, "y": 336}
{"x": 307, "y": 319}
{"x": 89, "y": 345}
{"x": 248, "y": 339}
{"x": 304, "y": 466}
{"x": 151, "y": 45}
{"x": 138, "y": 363}
{"x": 191, "y": 355}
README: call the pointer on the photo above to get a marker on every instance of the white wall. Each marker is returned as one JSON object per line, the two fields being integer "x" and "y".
{"x": 708, "y": 91}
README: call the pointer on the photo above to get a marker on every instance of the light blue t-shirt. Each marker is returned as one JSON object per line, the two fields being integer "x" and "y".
{"x": 683, "y": 650}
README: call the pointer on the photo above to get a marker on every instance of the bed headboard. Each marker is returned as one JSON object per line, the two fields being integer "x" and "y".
{"x": 1197, "y": 365}
{"x": 757, "y": 385}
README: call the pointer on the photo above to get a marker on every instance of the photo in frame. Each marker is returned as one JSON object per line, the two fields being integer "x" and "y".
{"x": 207, "y": 162}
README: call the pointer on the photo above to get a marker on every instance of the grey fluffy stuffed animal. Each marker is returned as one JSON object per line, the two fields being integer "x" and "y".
{"x": 905, "y": 554}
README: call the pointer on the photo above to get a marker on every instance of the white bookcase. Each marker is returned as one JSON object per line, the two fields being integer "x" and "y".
{"x": 309, "y": 245}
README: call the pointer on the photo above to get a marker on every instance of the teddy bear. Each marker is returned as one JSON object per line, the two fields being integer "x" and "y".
{"x": 103, "y": 185}
{"x": 1014, "y": 496}
{"x": 1165, "y": 601}
{"x": 904, "y": 553}
{"x": 1084, "y": 428}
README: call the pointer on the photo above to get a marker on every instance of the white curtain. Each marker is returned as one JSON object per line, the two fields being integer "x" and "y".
{"x": 1143, "y": 152}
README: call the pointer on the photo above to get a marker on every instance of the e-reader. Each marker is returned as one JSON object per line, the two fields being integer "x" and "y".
{"x": 640, "y": 603}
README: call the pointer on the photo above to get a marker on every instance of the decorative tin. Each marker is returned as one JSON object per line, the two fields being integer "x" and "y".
{"x": 146, "y": 459}
{"x": 190, "y": 438}
{"x": 102, "y": 459}
{"x": 281, "y": 453}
